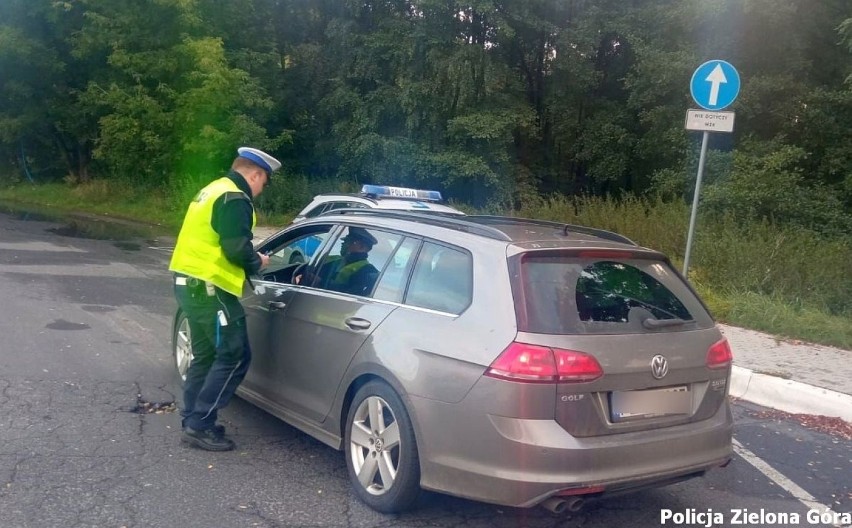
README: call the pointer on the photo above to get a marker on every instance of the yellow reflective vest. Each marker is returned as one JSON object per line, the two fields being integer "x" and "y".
{"x": 197, "y": 252}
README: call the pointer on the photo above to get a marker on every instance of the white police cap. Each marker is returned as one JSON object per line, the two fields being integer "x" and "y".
{"x": 259, "y": 157}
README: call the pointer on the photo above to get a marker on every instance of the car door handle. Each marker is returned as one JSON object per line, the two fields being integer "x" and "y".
{"x": 356, "y": 323}
{"x": 276, "y": 305}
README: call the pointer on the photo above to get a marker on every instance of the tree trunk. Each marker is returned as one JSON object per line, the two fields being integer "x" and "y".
{"x": 77, "y": 154}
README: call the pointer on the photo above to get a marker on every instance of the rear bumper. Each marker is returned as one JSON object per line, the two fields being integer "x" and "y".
{"x": 521, "y": 462}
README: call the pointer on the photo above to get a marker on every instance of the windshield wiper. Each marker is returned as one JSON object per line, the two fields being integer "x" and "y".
{"x": 661, "y": 323}
{"x": 637, "y": 301}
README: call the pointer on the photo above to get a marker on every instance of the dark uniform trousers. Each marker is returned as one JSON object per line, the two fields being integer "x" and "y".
{"x": 221, "y": 352}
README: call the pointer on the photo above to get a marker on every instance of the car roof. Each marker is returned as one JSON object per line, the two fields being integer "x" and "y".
{"x": 385, "y": 203}
{"x": 523, "y": 232}
{"x": 414, "y": 205}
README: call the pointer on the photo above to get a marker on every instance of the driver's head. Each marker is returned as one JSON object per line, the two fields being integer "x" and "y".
{"x": 358, "y": 240}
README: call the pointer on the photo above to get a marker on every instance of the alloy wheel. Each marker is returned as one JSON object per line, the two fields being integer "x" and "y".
{"x": 375, "y": 445}
{"x": 183, "y": 347}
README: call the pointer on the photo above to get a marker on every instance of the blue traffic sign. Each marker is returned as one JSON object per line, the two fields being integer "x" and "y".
{"x": 715, "y": 85}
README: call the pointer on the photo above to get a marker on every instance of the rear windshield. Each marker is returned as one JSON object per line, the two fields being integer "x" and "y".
{"x": 571, "y": 295}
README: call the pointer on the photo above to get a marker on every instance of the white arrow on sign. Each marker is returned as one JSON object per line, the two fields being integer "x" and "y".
{"x": 716, "y": 77}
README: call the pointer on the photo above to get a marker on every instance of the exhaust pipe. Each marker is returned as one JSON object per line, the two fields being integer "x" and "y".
{"x": 558, "y": 505}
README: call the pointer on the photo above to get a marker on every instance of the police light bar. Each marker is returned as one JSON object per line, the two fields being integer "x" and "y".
{"x": 384, "y": 191}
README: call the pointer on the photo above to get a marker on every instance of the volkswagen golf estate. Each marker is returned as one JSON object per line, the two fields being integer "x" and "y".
{"x": 512, "y": 361}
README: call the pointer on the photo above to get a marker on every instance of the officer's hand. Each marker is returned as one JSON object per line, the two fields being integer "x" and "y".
{"x": 264, "y": 259}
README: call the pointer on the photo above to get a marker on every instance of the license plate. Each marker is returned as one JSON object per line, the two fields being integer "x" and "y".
{"x": 649, "y": 403}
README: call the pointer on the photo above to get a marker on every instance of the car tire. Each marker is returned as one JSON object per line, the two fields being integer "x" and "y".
{"x": 182, "y": 346}
{"x": 381, "y": 457}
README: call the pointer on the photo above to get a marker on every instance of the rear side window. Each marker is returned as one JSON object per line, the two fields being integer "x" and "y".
{"x": 330, "y": 206}
{"x": 345, "y": 205}
{"x": 391, "y": 286}
{"x": 442, "y": 279}
{"x": 571, "y": 295}
{"x": 316, "y": 210}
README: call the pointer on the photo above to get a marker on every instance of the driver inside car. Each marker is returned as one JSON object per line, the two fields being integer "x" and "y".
{"x": 349, "y": 272}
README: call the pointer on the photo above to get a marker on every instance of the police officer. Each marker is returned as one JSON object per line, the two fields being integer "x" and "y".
{"x": 212, "y": 258}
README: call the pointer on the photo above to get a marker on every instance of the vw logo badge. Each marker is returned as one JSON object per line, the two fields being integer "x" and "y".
{"x": 659, "y": 366}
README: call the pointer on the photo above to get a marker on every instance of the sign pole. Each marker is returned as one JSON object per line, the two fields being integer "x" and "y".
{"x": 714, "y": 85}
{"x": 695, "y": 203}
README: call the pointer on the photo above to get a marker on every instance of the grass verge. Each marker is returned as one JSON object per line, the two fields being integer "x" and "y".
{"x": 777, "y": 317}
{"x": 101, "y": 198}
{"x": 152, "y": 207}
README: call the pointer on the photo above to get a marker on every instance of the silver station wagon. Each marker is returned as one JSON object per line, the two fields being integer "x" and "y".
{"x": 512, "y": 361}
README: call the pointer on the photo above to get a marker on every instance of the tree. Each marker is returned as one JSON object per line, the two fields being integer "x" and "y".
{"x": 171, "y": 106}
{"x": 40, "y": 119}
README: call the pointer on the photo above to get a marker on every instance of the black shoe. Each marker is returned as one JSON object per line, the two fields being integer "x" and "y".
{"x": 218, "y": 430}
{"x": 207, "y": 439}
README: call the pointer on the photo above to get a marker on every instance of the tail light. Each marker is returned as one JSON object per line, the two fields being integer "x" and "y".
{"x": 538, "y": 364}
{"x": 720, "y": 355}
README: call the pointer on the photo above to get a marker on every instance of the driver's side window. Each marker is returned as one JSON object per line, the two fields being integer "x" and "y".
{"x": 295, "y": 248}
{"x": 355, "y": 261}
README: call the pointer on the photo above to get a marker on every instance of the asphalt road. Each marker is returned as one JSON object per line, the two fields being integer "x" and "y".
{"x": 88, "y": 436}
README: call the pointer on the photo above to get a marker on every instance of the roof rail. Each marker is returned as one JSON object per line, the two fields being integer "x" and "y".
{"x": 600, "y": 233}
{"x": 347, "y": 195}
{"x": 450, "y": 221}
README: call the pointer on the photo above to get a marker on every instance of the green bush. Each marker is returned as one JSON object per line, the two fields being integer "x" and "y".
{"x": 287, "y": 194}
{"x": 767, "y": 183}
{"x": 651, "y": 223}
{"x": 797, "y": 265}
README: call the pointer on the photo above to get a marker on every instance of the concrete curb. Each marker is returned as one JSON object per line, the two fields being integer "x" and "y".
{"x": 788, "y": 395}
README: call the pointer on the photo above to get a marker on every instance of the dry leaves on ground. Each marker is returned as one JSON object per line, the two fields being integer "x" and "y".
{"x": 824, "y": 424}
{"x": 144, "y": 407}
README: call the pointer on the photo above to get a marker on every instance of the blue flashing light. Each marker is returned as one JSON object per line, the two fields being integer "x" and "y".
{"x": 384, "y": 191}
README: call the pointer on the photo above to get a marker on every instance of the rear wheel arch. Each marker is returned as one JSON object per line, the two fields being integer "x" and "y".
{"x": 356, "y": 384}
{"x": 176, "y": 320}
{"x": 361, "y": 380}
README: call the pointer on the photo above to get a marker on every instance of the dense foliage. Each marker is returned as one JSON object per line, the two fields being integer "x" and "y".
{"x": 496, "y": 102}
